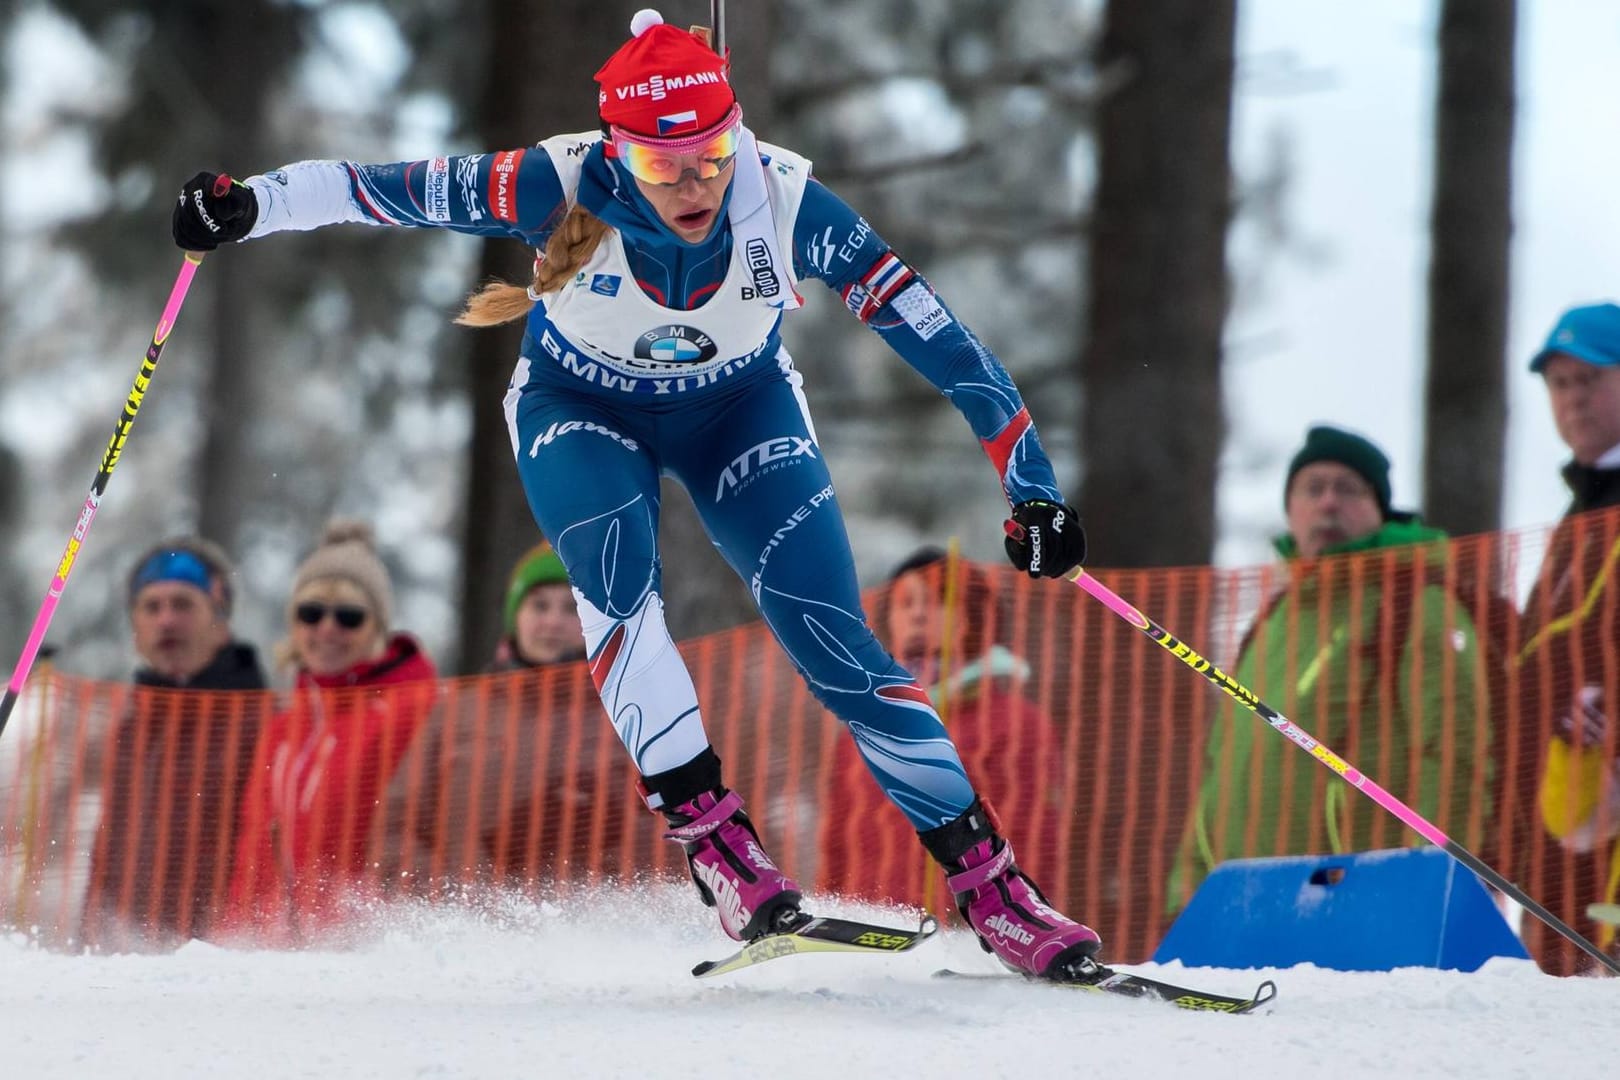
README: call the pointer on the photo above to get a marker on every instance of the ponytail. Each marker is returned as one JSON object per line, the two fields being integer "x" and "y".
{"x": 568, "y": 249}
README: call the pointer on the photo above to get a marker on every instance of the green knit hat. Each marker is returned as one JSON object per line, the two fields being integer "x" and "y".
{"x": 540, "y": 566}
{"x": 1323, "y": 443}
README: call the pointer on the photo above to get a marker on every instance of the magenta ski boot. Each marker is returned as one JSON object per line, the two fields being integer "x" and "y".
{"x": 1004, "y": 907}
{"x": 733, "y": 874}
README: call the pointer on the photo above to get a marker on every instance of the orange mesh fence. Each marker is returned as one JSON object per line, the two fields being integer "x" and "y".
{"x": 1473, "y": 680}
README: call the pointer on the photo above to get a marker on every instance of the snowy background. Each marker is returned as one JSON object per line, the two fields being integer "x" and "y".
{"x": 1339, "y": 336}
{"x": 1332, "y": 330}
{"x": 598, "y": 987}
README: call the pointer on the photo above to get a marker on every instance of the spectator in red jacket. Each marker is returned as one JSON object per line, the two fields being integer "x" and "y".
{"x": 325, "y": 758}
{"x": 1009, "y": 747}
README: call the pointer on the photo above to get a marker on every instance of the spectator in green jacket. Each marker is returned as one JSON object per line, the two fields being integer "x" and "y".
{"x": 1371, "y": 654}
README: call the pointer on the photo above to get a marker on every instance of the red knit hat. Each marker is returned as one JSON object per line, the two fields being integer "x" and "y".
{"x": 664, "y": 81}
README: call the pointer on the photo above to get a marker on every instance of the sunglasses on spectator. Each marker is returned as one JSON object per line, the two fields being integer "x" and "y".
{"x": 348, "y": 616}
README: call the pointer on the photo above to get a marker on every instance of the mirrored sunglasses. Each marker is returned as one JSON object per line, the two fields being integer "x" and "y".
{"x": 666, "y": 163}
{"x": 348, "y": 616}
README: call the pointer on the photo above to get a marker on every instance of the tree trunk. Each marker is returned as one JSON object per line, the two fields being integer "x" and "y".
{"x": 750, "y": 36}
{"x": 701, "y": 592}
{"x": 13, "y": 586}
{"x": 1151, "y": 418}
{"x": 229, "y": 399}
{"x": 534, "y": 89}
{"x": 232, "y": 358}
{"x": 1471, "y": 229}
{"x": 11, "y": 467}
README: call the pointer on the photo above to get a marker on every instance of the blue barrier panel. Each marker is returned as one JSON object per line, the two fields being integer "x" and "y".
{"x": 1374, "y": 911}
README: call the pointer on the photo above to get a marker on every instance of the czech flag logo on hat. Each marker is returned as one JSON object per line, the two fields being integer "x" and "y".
{"x": 678, "y": 123}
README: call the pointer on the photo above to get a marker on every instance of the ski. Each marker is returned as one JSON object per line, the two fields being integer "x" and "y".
{"x": 1124, "y": 984}
{"x": 821, "y": 934}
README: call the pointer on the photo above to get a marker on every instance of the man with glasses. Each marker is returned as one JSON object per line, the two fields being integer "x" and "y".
{"x": 1365, "y": 645}
{"x": 178, "y": 760}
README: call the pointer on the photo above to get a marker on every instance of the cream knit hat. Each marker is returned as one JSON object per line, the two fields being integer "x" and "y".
{"x": 348, "y": 550}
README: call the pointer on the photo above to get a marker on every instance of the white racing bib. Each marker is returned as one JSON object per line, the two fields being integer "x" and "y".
{"x": 603, "y": 318}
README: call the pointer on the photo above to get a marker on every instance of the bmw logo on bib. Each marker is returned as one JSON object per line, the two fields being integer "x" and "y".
{"x": 675, "y": 345}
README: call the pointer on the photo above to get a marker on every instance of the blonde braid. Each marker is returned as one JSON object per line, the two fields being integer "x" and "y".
{"x": 568, "y": 249}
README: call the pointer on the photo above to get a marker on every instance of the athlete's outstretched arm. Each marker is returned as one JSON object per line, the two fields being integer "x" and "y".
{"x": 509, "y": 193}
{"x": 835, "y": 244}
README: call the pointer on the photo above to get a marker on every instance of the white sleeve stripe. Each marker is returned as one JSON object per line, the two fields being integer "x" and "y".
{"x": 302, "y": 196}
{"x": 886, "y": 278}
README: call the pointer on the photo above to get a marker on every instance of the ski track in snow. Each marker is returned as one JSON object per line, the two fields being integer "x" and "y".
{"x": 597, "y": 985}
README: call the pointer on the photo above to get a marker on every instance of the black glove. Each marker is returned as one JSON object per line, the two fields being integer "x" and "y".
{"x": 213, "y": 210}
{"x": 1044, "y": 539}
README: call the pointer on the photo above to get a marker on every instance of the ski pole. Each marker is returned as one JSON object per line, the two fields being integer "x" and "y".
{"x": 1351, "y": 775}
{"x": 98, "y": 486}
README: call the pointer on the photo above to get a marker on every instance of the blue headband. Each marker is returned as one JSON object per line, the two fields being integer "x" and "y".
{"x": 182, "y": 566}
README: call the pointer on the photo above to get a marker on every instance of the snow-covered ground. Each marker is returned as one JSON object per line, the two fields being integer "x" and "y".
{"x": 599, "y": 987}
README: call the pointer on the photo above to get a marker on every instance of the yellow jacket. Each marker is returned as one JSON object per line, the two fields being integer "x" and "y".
{"x": 1580, "y": 805}
{"x": 1564, "y": 658}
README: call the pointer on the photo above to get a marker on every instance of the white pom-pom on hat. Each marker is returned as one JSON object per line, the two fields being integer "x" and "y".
{"x": 645, "y": 20}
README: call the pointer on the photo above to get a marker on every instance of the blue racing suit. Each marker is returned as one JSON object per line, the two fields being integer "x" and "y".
{"x": 594, "y": 428}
